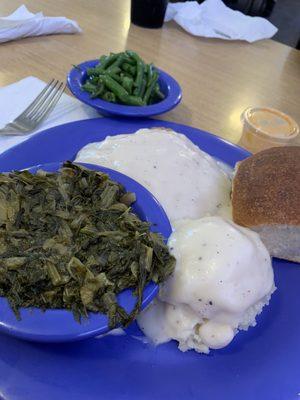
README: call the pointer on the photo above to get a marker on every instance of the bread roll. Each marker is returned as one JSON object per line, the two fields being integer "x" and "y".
{"x": 266, "y": 198}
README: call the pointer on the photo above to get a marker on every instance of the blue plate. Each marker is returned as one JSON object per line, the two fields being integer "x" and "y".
{"x": 168, "y": 85}
{"x": 60, "y": 325}
{"x": 262, "y": 363}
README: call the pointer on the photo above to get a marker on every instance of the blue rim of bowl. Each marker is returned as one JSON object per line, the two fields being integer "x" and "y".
{"x": 174, "y": 94}
{"x": 59, "y": 325}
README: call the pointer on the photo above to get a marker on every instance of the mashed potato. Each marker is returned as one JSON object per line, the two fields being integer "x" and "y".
{"x": 222, "y": 280}
{"x": 186, "y": 181}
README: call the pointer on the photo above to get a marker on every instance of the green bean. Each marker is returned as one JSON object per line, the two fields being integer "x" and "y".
{"x": 129, "y": 69}
{"x": 127, "y": 84}
{"x": 102, "y": 59}
{"x": 139, "y": 78}
{"x": 128, "y": 75}
{"x": 140, "y": 69}
{"x": 149, "y": 73}
{"x": 133, "y": 101}
{"x": 114, "y": 86}
{"x": 114, "y": 70}
{"x": 114, "y": 76}
{"x": 158, "y": 93}
{"x": 129, "y": 60}
{"x": 141, "y": 90}
{"x": 108, "y": 60}
{"x": 89, "y": 87}
{"x": 133, "y": 55}
{"x": 120, "y": 92}
{"x": 123, "y": 74}
{"x": 109, "y": 96}
{"x": 150, "y": 88}
{"x": 99, "y": 91}
{"x": 94, "y": 71}
{"x": 117, "y": 63}
{"x": 90, "y": 71}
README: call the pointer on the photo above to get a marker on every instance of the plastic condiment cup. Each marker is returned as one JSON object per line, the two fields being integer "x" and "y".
{"x": 267, "y": 127}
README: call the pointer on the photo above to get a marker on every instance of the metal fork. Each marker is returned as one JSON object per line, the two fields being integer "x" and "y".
{"x": 41, "y": 106}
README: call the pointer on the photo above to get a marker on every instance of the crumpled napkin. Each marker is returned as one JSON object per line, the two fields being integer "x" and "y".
{"x": 16, "y": 97}
{"x": 22, "y": 23}
{"x": 214, "y": 19}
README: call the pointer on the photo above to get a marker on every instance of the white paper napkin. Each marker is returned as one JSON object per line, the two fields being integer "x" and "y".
{"x": 16, "y": 97}
{"x": 22, "y": 23}
{"x": 215, "y": 20}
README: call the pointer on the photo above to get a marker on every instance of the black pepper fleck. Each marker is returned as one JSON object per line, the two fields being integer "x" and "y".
{"x": 210, "y": 303}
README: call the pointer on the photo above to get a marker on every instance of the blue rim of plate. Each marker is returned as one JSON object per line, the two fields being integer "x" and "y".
{"x": 169, "y": 86}
{"x": 60, "y": 325}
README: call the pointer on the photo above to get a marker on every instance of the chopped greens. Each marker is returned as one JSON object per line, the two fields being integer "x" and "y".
{"x": 69, "y": 240}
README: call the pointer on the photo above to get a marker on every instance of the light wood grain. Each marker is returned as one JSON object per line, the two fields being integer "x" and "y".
{"x": 219, "y": 78}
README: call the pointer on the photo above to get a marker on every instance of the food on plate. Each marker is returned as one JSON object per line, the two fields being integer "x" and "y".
{"x": 266, "y": 198}
{"x": 69, "y": 240}
{"x": 124, "y": 78}
{"x": 223, "y": 278}
{"x": 186, "y": 181}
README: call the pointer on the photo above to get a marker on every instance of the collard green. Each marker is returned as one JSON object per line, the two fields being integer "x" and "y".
{"x": 69, "y": 240}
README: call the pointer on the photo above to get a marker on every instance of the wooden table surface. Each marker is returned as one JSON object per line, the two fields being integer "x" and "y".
{"x": 219, "y": 78}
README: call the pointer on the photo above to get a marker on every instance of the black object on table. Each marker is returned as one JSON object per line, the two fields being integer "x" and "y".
{"x": 148, "y": 13}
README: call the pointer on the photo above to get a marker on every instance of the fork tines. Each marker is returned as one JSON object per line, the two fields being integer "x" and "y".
{"x": 44, "y": 102}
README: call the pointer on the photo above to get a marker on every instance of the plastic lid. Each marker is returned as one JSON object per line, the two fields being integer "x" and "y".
{"x": 270, "y": 122}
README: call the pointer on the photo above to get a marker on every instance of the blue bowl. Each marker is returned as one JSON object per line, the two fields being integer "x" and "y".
{"x": 60, "y": 325}
{"x": 170, "y": 88}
